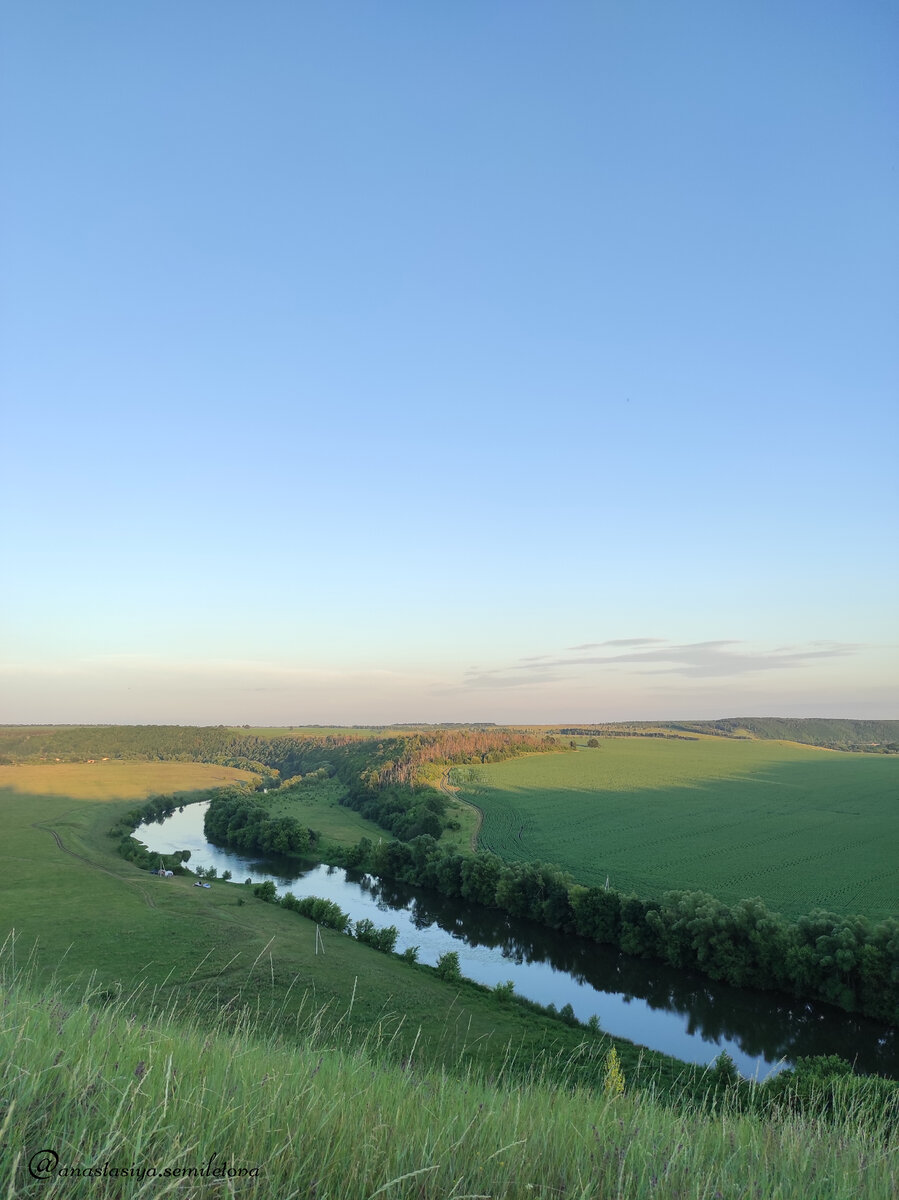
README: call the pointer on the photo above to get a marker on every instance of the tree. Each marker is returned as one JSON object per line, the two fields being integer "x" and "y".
{"x": 725, "y": 1069}
{"x": 480, "y": 875}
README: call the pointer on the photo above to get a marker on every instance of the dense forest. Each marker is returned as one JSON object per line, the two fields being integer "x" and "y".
{"x": 402, "y": 751}
{"x": 871, "y": 737}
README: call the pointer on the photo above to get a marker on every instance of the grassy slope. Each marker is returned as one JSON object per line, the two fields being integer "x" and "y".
{"x": 306, "y": 1118}
{"x": 86, "y": 910}
{"x": 316, "y": 804}
{"x": 800, "y": 827}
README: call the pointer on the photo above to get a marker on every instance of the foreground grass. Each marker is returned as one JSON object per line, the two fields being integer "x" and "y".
{"x": 304, "y": 1108}
{"x": 798, "y": 826}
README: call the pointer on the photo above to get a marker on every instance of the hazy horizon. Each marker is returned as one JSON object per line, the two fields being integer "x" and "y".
{"x": 512, "y": 363}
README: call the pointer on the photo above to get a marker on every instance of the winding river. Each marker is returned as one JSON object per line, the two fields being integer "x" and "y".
{"x": 677, "y": 1012}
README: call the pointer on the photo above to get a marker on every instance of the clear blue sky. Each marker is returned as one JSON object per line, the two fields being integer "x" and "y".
{"x": 488, "y": 361}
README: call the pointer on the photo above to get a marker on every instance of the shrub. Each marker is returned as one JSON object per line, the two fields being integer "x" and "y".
{"x": 379, "y": 939}
{"x": 613, "y": 1080}
{"x": 448, "y": 966}
{"x": 725, "y": 1069}
{"x": 266, "y": 891}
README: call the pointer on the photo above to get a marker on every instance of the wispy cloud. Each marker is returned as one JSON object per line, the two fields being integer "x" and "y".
{"x": 497, "y": 679}
{"x": 615, "y": 642}
{"x": 654, "y": 656}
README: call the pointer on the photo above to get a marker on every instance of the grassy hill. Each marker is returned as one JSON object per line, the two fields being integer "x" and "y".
{"x": 97, "y": 1104}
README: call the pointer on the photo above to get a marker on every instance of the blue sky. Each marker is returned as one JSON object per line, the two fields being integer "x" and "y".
{"x": 367, "y": 362}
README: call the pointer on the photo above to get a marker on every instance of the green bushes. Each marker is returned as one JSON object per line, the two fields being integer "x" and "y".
{"x": 331, "y": 916}
{"x": 379, "y": 939}
{"x": 826, "y": 1087}
{"x": 241, "y": 821}
{"x": 323, "y": 912}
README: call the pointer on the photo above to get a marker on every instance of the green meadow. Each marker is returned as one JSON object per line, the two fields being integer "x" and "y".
{"x": 800, "y": 827}
{"x": 316, "y": 804}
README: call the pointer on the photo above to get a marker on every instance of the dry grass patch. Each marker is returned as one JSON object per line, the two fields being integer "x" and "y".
{"x": 112, "y": 780}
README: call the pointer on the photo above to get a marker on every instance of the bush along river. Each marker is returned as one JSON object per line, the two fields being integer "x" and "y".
{"x": 685, "y": 1015}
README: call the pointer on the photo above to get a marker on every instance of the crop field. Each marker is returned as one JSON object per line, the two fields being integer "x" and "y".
{"x": 801, "y": 827}
{"x": 117, "y": 780}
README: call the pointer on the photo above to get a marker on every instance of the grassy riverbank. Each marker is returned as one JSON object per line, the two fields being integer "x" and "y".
{"x": 80, "y": 910}
{"x": 293, "y": 1108}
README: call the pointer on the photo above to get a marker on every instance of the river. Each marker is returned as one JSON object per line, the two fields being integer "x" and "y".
{"x": 677, "y": 1012}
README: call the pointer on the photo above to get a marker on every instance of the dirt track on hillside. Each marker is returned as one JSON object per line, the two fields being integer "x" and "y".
{"x": 444, "y": 786}
{"x": 148, "y": 899}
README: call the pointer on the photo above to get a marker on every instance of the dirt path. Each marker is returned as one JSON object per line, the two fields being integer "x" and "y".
{"x": 444, "y": 786}
{"x": 148, "y": 899}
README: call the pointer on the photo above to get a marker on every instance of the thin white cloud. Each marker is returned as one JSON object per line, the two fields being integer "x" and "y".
{"x": 616, "y": 642}
{"x": 692, "y": 660}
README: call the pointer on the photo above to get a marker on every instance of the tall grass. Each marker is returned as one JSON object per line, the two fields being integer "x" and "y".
{"x": 307, "y": 1111}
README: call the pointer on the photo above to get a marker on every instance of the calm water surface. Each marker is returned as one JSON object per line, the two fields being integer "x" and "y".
{"x": 674, "y": 1011}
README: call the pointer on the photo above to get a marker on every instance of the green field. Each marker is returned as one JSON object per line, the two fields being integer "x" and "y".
{"x": 798, "y": 826}
{"x": 316, "y": 804}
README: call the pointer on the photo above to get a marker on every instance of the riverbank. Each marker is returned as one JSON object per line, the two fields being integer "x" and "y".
{"x": 81, "y": 912}
{"x": 674, "y": 1012}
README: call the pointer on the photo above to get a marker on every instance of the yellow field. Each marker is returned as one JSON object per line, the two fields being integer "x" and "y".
{"x": 117, "y": 780}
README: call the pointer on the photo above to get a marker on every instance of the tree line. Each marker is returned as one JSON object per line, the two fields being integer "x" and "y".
{"x": 849, "y": 962}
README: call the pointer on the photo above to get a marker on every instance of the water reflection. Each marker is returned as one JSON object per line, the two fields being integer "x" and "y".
{"x": 682, "y": 1014}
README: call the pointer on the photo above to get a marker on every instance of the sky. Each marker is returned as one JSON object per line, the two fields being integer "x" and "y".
{"x": 497, "y": 361}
